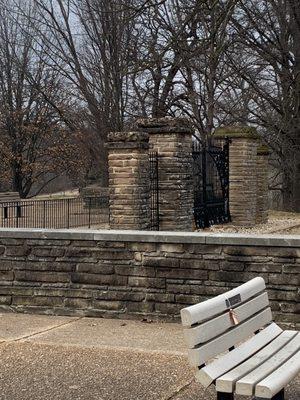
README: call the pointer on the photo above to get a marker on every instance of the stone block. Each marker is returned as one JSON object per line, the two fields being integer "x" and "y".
{"x": 5, "y": 300}
{"x": 168, "y": 308}
{"x": 288, "y": 252}
{"x": 291, "y": 269}
{"x": 160, "y": 297}
{"x": 11, "y": 241}
{"x": 181, "y": 273}
{"x": 204, "y": 249}
{"x": 171, "y": 248}
{"x": 134, "y": 270}
{"x": 37, "y": 301}
{"x": 245, "y": 251}
{"x": 263, "y": 267}
{"x": 108, "y": 305}
{"x": 146, "y": 282}
{"x": 232, "y": 266}
{"x": 143, "y": 247}
{"x": 193, "y": 263}
{"x": 92, "y": 268}
{"x": 188, "y": 299}
{"x": 119, "y": 295}
{"x": 17, "y": 251}
{"x": 33, "y": 276}
{"x": 281, "y": 295}
{"x": 77, "y": 303}
{"x": 47, "y": 266}
{"x": 48, "y": 251}
{"x": 6, "y": 276}
{"x": 180, "y": 288}
{"x": 140, "y": 307}
{"x": 290, "y": 307}
{"x": 161, "y": 262}
{"x": 97, "y": 279}
{"x": 284, "y": 279}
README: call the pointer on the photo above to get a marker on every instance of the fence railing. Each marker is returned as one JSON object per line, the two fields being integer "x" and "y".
{"x": 56, "y": 213}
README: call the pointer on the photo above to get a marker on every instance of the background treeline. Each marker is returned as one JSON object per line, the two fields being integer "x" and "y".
{"x": 73, "y": 70}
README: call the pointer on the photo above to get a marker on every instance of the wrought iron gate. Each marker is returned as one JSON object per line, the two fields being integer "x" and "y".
{"x": 211, "y": 182}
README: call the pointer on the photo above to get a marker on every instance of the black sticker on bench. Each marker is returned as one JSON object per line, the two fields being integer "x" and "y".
{"x": 232, "y": 301}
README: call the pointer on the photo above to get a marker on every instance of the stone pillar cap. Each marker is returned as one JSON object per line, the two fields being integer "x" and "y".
{"x": 164, "y": 125}
{"x": 237, "y": 132}
{"x": 128, "y": 137}
{"x": 263, "y": 150}
{"x": 127, "y": 140}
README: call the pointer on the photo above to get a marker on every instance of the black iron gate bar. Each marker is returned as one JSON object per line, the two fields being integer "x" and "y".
{"x": 211, "y": 182}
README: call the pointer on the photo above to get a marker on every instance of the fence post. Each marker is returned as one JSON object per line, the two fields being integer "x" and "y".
{"x": 129, "y": 180}
{"x": 90, "y": 205}
{"x": 17, "y": 215}
{"x": 44, "y": 216}
{"x": 172, "y": 139}
{"x": 262, "y": 184}
{"x": 68, "y": 212}
{"x": 203, "y": 159}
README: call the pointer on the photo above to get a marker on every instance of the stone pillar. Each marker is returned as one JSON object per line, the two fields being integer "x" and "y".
{"x": 172, "y": 139}
{"x": 242, "y": 173}
{"x": 262, "y": 203}
{"x": 129, "y": 188}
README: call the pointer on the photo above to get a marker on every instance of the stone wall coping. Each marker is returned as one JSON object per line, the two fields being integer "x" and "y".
{"x": 154, "y": 237}
{"x": 246, "y": 132}
{"x": 164, "y": 125}
{"x": 131, "y": 136}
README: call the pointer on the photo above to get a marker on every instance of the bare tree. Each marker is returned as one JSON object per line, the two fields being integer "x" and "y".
{"x": 35, "y": 144}
{"x": 90, "y": 38}
{"x": 180, "y": 65}
{"x": 267, "y": 64}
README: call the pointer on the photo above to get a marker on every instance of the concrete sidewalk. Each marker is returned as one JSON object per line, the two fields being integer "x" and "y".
{"x": 63, "y": 358}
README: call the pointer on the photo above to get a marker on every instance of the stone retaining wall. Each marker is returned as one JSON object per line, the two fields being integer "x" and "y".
{"x": 151, "y": 274}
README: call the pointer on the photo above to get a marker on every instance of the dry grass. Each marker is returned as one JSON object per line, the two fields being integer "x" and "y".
{"x": 287, "y": 223}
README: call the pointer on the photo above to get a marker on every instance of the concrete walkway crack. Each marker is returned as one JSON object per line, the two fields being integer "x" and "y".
{"x": 44, "y": 331}
{"x": 180, "y": 390}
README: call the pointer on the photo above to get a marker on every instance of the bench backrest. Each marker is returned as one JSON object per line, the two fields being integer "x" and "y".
{"x": 216, "y": 325}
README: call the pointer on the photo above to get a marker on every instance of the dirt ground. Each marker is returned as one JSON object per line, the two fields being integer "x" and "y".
{"x": 280, "y": 222}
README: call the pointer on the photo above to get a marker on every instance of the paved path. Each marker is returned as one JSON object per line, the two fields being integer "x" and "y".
{"x": 62, "y": 358}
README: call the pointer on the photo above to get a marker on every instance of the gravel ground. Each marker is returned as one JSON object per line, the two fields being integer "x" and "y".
{"x": 279, "y": 222}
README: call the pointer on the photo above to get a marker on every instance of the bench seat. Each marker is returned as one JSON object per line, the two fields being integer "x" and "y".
{"x": 260, "y": 359}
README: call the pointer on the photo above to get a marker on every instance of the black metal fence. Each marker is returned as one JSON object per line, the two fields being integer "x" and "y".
{"x": 55, "y": 213}
{"x": 154, "y": 192}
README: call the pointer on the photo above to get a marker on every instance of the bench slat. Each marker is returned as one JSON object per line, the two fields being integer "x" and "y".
{"x": 222, "y": 343}
{"x": 271, "y": 385}
{"x": 245, "y": 386}
{"x": 210, "y": 308}
{"x": 226, "y": 383}
{"x": 212, "y": 371}
{"x": 216, "y": 326}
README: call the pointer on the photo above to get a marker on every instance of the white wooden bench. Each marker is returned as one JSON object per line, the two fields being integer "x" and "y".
{"x": 255, "y": 356}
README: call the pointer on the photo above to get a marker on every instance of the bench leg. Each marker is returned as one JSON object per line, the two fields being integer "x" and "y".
{"x": 225, "y": 396}
{"x": 278, "y": 396}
